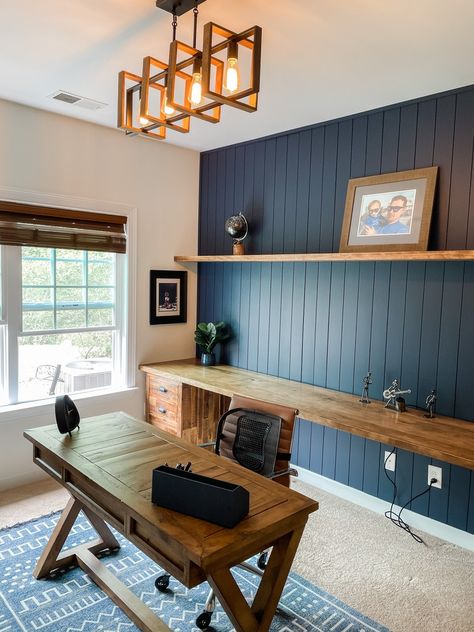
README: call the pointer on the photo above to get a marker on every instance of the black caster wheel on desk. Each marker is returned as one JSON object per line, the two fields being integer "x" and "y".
{"x": 162, "y": 582}
{"x": 204, "y": 620}
{"x": 262, "y": 561}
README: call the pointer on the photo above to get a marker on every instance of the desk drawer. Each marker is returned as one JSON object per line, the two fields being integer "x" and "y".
{"x": 166, "y": 421}
{"x": 161, "y": 390}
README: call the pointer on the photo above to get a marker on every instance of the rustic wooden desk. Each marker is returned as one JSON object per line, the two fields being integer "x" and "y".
{"x": 187, "y": 399}
{"x": 107, "y": 468}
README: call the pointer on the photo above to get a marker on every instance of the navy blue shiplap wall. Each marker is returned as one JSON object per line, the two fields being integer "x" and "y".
{"x": 328, "y": 323}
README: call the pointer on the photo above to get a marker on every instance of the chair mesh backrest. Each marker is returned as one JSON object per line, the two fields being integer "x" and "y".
{"x": 250, "y": 438}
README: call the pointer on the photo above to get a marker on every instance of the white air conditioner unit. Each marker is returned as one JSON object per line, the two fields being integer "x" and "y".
{"x": 82, "y": 375}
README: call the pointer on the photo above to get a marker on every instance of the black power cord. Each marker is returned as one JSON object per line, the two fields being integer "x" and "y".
{"x": 393, "y": 516}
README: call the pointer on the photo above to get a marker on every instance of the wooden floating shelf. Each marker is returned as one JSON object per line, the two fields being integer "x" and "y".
{"x": 430, "y": 255}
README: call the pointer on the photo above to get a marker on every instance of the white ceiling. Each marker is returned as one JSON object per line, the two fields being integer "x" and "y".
{"x": 321, "y": 59}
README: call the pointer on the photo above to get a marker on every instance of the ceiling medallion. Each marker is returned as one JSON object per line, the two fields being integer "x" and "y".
{"x": 192, "y": 83}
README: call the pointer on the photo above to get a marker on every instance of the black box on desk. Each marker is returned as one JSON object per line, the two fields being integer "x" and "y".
{"x": 203, "y": 497}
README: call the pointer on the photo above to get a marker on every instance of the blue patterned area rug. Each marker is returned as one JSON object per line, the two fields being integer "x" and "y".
{"x": 71, "y": 602}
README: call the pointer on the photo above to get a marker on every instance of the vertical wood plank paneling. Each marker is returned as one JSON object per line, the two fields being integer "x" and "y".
{"x": 280, "y": 194}
{"x": 329, "y": 186}
{"x": 425, "y": 134}
{"x": 449, "y": 337}
{"x": 212, "y": 203}
{"x": 268, "y": 196}
{"x": 412, "y": 328}
{"x": 244, "y": 316}
{"x": 264, "y": 317}
{"x": 328, "y": 324}
{"x": 458, "y": 501}
{"x": 254, "y": 316}
{"x": 203, "y": 192}
{"x": 302, "y": 191}
{"x": 364, "y": 322}
{"x": 465, "y": 367}
{"x": 336, "y": 310}
{"x": 329, "y": 452}
{"x": 349, "y": 329}
{"x": 309, "y": 322}
{"x": 286, "y": 312}
{"x": 407, "y": 137}
{"x": 385, "y": 488}
{"x": 395, "y": 322}
{"x": 316, "y": 190}
{"x": 461, "y": 171}
{"x": 248, "y": 203}
{"x": 257, "y": 228}
{"x": 430, "y": 330}
{"x": 289, "y": 226}
{"x": 371, "y": 467}
{"x": 379, "y": 318}
{"x": 274, "y": 328}
{"x": 343, "y": 173}
{"x": 442, "y": 156}
{"x": 343, "y": 450}
{"x": 298, "y": 310}
{"x": 391, "y": 130}
{"x": 322, "y": 324}
{"x": 373, "y": 150}
{"x": 317, "y": 445}
{"x": 220, "y": 234}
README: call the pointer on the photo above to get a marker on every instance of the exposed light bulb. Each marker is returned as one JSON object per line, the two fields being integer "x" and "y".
{"x": 195, "y": 96}
{"x": 165, "y": 108}
{"x": 232, "y": 72}
{"x": 143, "y": 120}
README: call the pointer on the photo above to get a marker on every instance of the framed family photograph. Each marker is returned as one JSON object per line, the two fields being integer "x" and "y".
{"x": 389, "y": 212}
{"x": 167, "y": 297}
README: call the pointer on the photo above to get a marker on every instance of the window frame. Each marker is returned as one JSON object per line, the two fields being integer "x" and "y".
{"x": 12, "y": 297}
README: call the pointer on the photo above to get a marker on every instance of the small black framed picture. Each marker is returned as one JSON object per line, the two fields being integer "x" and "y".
{"x": 168, "y": 292}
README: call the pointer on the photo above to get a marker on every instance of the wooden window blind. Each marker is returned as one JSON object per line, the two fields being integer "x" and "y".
{"x": 30, "y": 225}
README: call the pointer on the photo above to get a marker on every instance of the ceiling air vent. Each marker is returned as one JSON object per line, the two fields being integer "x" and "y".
{"x": 74, "y": 99}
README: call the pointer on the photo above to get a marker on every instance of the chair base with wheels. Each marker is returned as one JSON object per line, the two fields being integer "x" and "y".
{"x": 256, "y": 435}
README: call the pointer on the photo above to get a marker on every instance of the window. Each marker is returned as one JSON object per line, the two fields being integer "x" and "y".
{"x": 63, "y": 315}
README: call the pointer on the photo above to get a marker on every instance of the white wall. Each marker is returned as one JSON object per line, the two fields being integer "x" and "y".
{"x": 46, "y": 153}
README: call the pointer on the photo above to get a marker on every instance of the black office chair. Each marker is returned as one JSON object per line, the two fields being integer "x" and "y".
{"x": 258, "y": 436}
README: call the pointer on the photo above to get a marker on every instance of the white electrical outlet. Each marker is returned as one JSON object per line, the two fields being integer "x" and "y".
{"x": 437, "y": 473}
{"x": 389, "y": 461}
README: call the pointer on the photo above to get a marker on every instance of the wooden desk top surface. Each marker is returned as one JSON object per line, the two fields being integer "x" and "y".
{"x": 113, "y": 456}
{"x": 445, "y": 438}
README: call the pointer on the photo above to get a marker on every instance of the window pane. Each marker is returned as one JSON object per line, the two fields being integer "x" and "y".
{"x": 38, "y": 295}
{"x": 100, "y": 317}
{"x": 69, "y": 273}
{"x": 70, "y": 318}
{"x": 37, "y": 272}
{"x": 100, "y": 273}
{"x": 64, "y": 363}
{"x": 70, "y": 296}
{"x": 38, "y": 320}
{"x": 100, "y": 295}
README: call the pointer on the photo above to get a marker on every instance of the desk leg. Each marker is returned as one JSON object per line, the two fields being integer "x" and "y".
{"x": 52, "y": 558}
{"x": 258, "y": 617}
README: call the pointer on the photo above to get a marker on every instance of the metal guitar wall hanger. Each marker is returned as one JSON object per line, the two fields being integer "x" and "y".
{"x": 393, "y": 396}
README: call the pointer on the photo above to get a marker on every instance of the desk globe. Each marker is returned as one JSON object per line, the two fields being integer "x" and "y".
{"x": 237, "y": 227}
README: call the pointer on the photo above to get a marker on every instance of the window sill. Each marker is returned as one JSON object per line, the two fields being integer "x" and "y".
{"x": 16, "y": 411}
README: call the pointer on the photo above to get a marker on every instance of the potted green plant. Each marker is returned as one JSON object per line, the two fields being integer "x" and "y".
{"x": 207, "y": 335}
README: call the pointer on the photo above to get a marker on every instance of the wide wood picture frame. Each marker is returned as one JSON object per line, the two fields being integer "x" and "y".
{"x": 168, "y": 297}
{"x": 389, "y": 212}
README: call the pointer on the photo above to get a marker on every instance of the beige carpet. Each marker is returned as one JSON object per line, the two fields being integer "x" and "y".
{"x": 352, "y": 553}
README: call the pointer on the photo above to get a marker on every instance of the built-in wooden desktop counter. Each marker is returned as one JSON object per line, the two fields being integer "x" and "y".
{"x": 186, "y": 398}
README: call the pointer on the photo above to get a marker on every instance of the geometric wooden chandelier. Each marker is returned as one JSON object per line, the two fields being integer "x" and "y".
{"x": 192, "y": 83}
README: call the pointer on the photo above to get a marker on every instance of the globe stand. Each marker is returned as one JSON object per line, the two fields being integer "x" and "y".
{"x": 238, "y": 248}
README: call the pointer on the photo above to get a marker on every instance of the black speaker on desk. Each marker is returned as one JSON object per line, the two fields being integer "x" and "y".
{"x": 199, "y": 496}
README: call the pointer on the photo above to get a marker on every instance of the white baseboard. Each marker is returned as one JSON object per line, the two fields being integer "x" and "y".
{"x": 428, "y": 525}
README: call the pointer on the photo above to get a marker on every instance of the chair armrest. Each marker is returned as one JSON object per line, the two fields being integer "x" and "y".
{"x": 290, "y": 471}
